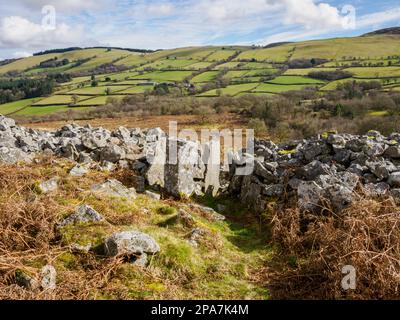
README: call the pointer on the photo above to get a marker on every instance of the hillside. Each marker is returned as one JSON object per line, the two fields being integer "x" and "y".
{"x": 204, "y": 71}
{"x": 393, "y": 30}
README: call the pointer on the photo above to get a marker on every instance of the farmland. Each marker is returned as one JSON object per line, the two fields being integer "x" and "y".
{"x": 208, "y": 71}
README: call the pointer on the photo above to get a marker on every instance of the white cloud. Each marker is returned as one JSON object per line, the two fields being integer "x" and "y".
{"x": 18, "y": 32}
{"x": 162, "y": 9}
{"x": 379, "y": 18}
{"x": 64, "y": 5}
{"x": 22, "y": 54}
{"x": 311, "y": 15}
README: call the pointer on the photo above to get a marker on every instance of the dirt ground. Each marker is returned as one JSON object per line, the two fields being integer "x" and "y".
{"x": 217, "y": 121}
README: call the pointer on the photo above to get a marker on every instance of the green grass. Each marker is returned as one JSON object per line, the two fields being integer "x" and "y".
{"x": 97, "y": 101}
{"x": 23, "y": 64}
{"x": 77, "y": 80}
{"x": 198, "y": 65}
{"x": 57, "y": 100}
{"x": 295, "y": 80}
{"x": 168, "y": 64}
{"x": 100, "y": 90}
{"x": 306, "y": 71}
{"x": 128, "y": 83}
{"x": 235, "y": 74}
{"x": 333, "y": 84}
{"x": 205, "y": 77}
{"x": 39, "y": 111}
{"x": 133, "y": 60}
{"x": 375, "y": 72}
{"x": 231, "y": 90}
{"x": 118, "y": 76}
{"x": 230, "y": 65}
{"x": 277, "y": 54}
{"x": 260, "y": 72}
{"x": 277, "y": 88}
{"x": 221, "y": 55}
{"x": 12, "y": 107}
{"x": 136, "y": 89}
{"x": 100, "y": 58}
{"x": 359, "y": 47}
{"x": 257, "y": 65}
{"x": 161, "y": 76}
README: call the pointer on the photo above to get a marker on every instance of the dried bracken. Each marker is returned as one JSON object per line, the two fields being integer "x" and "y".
{"x": 365, "y": 236}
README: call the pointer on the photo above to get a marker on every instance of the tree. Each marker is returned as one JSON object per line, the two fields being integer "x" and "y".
{"x": 74, "y": 99}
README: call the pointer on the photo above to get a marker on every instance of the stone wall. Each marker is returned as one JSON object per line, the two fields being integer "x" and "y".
{"x": 332, "y": 168}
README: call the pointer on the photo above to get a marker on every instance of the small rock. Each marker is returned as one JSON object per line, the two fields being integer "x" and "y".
{"x": 377, "y": 190}
{"x": 195, "y": 235}
{"x": 140, "y": 260}
{"x": 313, "y": 170}
{"x": 130, "y": 243}
{"x": 81, "y": 248}
{"x": 153, "y": 195}
{"x": 393, "y": 152}
{"x": 211, "y": 213}
{"x": 112, "y": 153}
{"x": 394, "y": 180}
{"x": 83, "y": 213}
{"x": 114, "y": 188}
{"x": 49, "y": 276}
{"x": 78, "y": 171}
{"x": 49, "y": 185}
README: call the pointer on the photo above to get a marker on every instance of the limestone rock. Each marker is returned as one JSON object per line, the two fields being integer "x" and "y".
{"x": 130, "y": 243}
{"x": 114, "y": 188}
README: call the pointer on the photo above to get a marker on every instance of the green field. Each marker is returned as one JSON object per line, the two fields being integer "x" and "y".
{"x": 235, "y": 74}
{"x": 221, "y": 55}
{"x": 161, "y": 76}
{"x": 97, "y": 101}
{"x": 100, "y": 90}
{"x": 57, "y": 100}
{"x": 277, "y": 54}
{"x": 168, "y": 64}
{"x": 198, "y": 65}
{"x": 278, "y": 88}
{"x": 205, "y": 77}
{"x": 15, "y": 106}
{"x": 375, "y": 72}
{"x": 38, "y": 111}
{"x": 260, "y": 72}
{"x": 136, "y": 89}
{"x": 306, "y": 71}
{"x": 295, "y": 80}
{"x": 230, "y": 90}
{"x": 255, "y": 70}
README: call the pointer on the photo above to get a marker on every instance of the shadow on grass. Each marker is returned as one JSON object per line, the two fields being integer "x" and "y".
{"x": 247, "y": 231}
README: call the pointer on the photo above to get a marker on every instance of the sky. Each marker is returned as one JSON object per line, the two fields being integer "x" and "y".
{"x": 28, "y": 26}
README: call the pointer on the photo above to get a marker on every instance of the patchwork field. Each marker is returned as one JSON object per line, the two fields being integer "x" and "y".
{"x": 230, "y": 70}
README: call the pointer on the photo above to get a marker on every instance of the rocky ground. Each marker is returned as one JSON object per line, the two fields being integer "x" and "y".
{"x": 90, "y": 202}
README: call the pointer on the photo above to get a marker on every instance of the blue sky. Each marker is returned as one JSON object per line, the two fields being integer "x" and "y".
{"x": 178, "y": 23}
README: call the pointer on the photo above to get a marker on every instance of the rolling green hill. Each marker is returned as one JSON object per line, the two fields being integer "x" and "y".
{"x": 206, "y": 71}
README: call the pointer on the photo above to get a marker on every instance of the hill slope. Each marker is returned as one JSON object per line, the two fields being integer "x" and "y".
{"x": 207, "y": 71}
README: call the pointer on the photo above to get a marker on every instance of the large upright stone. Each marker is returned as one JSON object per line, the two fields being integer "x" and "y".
{"x": 184, "y": 166}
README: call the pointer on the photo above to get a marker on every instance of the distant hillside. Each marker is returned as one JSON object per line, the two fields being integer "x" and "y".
{"x": 90, "y": 77}
{"x": 393, "y": 30}
{"x": 63, "y": 50}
